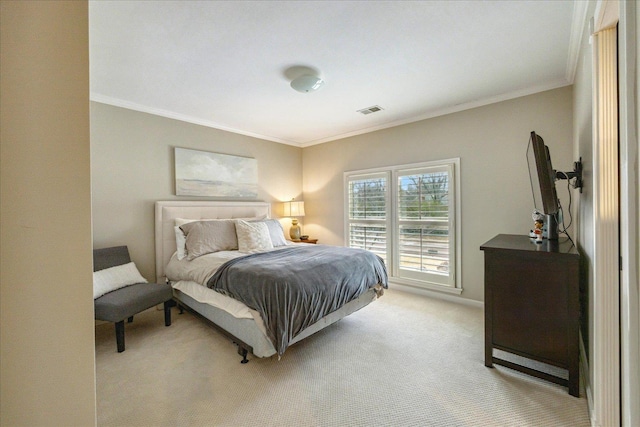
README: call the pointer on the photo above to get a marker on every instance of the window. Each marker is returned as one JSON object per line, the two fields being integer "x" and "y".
{"x": 408, "y": 215}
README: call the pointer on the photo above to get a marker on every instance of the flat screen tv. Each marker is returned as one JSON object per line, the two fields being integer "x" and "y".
{"x": 543, "y": 184}
{"x": 543, "y": 181}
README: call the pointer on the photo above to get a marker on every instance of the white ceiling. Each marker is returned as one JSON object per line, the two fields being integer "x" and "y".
{"x": 228, "y": 64}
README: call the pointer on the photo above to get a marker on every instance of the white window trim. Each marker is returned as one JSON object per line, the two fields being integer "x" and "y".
{"x": 392, "y": 221}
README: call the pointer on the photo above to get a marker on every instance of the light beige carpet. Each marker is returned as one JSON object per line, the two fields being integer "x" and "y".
{"x": 404, "y": 360}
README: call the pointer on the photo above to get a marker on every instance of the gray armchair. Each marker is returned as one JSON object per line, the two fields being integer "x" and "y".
{"x": 123, "y": 303}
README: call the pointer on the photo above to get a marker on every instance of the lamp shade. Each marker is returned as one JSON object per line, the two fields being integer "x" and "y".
{"x": 293, "y": 208}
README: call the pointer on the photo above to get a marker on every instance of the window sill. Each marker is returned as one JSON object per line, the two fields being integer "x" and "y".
{"x": 425, "y": 285}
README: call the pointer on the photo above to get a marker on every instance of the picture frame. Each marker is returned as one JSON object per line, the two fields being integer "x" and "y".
{"x": 208, "y": 174}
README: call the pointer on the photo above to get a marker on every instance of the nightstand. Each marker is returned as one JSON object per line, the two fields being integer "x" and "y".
{"x": 311, "y": 241}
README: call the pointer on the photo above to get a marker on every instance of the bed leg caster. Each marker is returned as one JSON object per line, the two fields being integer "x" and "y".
{"x": 181, "y": 309}
{"x": 243, "y": 352}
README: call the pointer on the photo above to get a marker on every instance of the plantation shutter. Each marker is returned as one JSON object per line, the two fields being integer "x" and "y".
{"x": 368, "y": 212}
{"x": 424, "y": 226}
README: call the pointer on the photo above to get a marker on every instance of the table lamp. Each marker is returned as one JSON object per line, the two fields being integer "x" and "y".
{"x": 294, "y": 209}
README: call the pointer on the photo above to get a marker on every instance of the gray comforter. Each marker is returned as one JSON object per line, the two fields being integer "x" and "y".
{"x": 293, "y": 288}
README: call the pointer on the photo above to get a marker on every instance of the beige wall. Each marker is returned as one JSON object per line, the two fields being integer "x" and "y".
{"x": 132, "y": 167}
{"x": 47, "y": 365}
{"x": 491, "y": 142}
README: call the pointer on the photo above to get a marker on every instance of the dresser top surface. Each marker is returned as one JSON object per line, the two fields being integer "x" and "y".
{"x": 514, "y": 242}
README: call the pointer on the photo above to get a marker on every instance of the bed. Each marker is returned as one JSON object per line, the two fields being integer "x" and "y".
{"x": 266, "y": 325}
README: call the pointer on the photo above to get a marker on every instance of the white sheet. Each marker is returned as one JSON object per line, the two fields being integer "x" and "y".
{"x": 191, "y": 278}
{"x": 200, "y": 269}
{"x": 207, "y": 296}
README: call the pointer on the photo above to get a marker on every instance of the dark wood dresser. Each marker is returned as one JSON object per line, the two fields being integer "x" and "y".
{"x": 531, "y": 305}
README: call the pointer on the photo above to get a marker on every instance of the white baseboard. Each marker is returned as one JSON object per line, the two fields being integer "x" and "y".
{"x": 435, "y": 294}
{"x": 584, "y": 378}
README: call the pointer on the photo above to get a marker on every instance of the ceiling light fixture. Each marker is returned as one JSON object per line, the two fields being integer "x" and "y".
{"x": 307, "y": 83}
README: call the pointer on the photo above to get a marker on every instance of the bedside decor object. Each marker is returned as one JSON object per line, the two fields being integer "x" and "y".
{"x": 294, "y": 209}
{"x": 200, "y": 173}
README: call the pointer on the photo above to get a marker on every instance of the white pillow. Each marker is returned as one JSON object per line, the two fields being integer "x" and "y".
{"x": 253, "y": 237}
{"x": 117, "y": 277}
{"x": 181, "y": 242}
{"x": 181, "y": 238}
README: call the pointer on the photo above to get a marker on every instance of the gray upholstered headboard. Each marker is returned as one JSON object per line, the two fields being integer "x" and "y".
{"x": 167, "y": 212}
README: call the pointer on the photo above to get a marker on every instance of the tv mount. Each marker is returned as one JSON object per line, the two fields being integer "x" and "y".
{"x": 575, "y": 174}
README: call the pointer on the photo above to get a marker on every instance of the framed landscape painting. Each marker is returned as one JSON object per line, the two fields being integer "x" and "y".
{"x": 201, "y": 173}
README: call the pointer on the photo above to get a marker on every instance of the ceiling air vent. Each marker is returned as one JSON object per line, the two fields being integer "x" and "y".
{"x": 370, "y": 110}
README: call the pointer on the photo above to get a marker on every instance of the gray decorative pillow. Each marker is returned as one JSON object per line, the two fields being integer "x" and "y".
{"x": 205, "y": 237}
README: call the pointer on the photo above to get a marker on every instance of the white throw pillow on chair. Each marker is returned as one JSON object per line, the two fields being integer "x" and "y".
{"x": 113, "y": 278}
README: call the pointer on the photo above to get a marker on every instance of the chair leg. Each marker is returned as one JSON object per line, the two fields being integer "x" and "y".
{"x": 120, "y": 335}
{"x": 167, "y": 312}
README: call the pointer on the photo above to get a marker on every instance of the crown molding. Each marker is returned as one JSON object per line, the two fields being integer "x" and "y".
{"x": 578, "y": 23}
